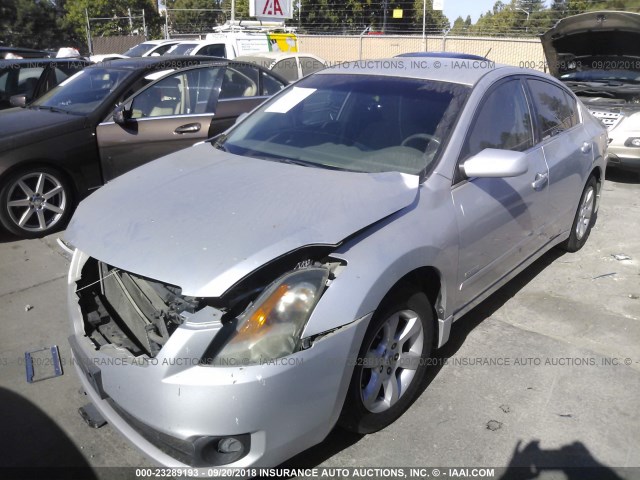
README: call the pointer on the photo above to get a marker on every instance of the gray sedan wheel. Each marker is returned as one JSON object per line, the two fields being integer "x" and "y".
{"x": 35, "y": 202}
{"x": 390, "y": 369}
{"x": 584, "y": 219}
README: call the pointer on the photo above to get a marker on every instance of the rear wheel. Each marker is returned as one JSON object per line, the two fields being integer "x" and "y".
{"x": 391, "y": 364}
{"x": 35, "y": 202}
{"x": 585, "y": 218}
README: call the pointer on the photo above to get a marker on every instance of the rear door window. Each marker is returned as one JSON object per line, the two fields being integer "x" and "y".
{"x": 554, "y": 112}
{"x": 287, "y": 68}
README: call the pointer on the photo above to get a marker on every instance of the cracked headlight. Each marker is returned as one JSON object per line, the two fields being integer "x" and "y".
{"x": 271, "y": 326}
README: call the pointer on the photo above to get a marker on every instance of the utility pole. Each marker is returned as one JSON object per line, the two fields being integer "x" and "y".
{"x": 86, "y": 12}
{"x": 385, "y": 4}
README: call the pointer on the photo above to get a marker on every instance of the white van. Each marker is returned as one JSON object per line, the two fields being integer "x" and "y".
{"x": 232, "y": 44}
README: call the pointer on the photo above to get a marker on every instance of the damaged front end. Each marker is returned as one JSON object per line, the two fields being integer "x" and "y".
{"x": 192, "y": 381}
{"x": 260, "y": 319}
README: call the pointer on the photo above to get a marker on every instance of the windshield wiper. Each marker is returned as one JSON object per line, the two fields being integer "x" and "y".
{"x": 300, "y": 162}
{"x": 46, "y": 107}
{"x": 217, "y": 141}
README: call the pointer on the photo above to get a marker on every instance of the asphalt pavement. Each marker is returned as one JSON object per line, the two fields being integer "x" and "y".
{"x": 544, "y": 374}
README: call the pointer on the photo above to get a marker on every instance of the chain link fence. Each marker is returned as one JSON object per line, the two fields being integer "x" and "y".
{"x": 115, "y": 44}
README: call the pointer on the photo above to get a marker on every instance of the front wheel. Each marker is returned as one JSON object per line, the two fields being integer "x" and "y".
{"x": 391, "y": 365}
{"x": 35, "y": 202}
{"x": 584, "y": 219}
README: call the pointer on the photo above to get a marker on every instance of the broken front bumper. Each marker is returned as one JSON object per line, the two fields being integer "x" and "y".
{"x": 176, "y": 410}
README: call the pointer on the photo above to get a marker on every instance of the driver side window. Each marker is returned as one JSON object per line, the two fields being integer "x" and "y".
{"x": 163, "y": 98}
{"x": 503, "y": 122}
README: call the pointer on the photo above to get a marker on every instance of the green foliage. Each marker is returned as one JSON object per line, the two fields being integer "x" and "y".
{"x": 206, "y": 15}
{"x": 54, "y": 24}
{"x": 32, "y": 24}
{"x": 75, "y": 17}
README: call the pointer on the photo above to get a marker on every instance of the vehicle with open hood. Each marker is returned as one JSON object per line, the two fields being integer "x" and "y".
{"x": 231, "y": 302}
{"x": 597, "y": 55}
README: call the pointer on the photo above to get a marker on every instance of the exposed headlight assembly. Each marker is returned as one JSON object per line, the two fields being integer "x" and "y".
{"x": 271, "y": 326}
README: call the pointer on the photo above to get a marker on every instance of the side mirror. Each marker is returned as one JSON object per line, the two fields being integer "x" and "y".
{"x": 494, "y": 163}
{"x": 19, "y": 100}
{"x": 121, "y": 115}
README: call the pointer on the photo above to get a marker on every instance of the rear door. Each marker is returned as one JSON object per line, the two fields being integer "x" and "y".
{"x": 567, "y": 147}
{"x": 500, "y": 220}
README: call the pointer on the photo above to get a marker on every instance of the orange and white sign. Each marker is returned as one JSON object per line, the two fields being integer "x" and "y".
{"x": 271, "y": 9}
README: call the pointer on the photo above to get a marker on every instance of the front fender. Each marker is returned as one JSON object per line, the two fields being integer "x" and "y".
{"x": 421, "y": 235}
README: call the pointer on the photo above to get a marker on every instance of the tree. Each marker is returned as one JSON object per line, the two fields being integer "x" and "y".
{"x": 32, "y": 24}
{"x": 75, "y": 17}
{"x": 436, "y": 22}
{"x": 204, "y": 16}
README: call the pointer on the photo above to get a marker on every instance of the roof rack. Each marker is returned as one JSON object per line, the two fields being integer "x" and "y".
{"x": 253, "y": 26}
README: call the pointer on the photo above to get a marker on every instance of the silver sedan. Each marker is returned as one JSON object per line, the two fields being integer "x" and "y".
{"x": 232, "y": 302}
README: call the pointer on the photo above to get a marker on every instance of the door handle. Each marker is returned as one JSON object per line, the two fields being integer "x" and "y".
{"x": 540, "y": 181}
{"x": 586, "y": 147}
{"x": 188, "y": 128}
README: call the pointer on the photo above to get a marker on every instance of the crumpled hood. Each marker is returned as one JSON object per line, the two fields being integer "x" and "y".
{"x": 203, "y": 219}
{"x": 21, "y": 126}
{"x": 603, "y": 35}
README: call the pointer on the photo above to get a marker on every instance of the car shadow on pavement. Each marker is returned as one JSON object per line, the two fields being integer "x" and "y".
{"x": 340, "y": 439}
{"x": 34, "y": 446}
{"x": 6, "y": 237}
{"x": 574, "y": 460}
{"x": 462, "y": 328}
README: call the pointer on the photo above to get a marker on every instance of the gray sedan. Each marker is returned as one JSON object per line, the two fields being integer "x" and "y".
{"x": 232, "y": 302}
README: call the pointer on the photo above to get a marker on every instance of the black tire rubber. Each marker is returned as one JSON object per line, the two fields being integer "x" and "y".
{"x": 355, "y": 417}
{"x": 5, "y": 189}
{"x": 573, "y": 243}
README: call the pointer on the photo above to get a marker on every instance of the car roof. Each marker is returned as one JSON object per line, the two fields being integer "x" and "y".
{"x": 168, "y": 62}
{"x": 4, "y": 50}
{"x": 278, "y": 55}
{"x": 159, "y": 42}
{"x": 42, "y": 61}
{"x": 467, "y": 56}
{"x": 464, "y": 72}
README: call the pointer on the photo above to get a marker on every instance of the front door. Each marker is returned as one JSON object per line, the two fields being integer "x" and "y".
{"x": 500, "y": 220}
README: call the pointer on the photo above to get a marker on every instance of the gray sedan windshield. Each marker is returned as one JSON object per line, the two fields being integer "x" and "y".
{"x": 352, "y": 122}
{"x": 83, "y": 92}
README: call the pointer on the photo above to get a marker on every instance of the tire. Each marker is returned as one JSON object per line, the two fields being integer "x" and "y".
{"x": 35, "y": 202}
{"x": 584, "y": 219}
{"x": 385, "y": 380}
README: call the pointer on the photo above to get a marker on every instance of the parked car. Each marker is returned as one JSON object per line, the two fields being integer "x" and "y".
{"x": 176, "y": 111}
{"x": 12, "y": 53}
{"x": 233, "y": 301}
{"x": 67, "y": 143}
{"x": 106, "y": 57}
{"x": 151, "y": 48}
{"x": 461, "y": 56}
{"x": 292, "y": 66}
{"x": 21, "y": 81}
{"x": 596, "y": 55}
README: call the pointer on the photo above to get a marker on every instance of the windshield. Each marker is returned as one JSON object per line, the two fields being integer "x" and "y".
{"x": 352, "y": 122}
{"x": 83, "y": 92}
{"x": 607, "y": 76}
{"x": 139, "y": 49}
{"x": 182, "y": 49}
